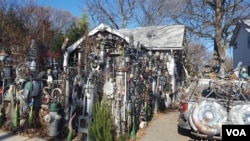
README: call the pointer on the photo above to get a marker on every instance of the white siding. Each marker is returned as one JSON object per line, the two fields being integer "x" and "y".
{"x": 242, "y": 52}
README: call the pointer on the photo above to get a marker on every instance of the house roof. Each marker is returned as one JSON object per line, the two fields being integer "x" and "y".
{"x": 241, "y": 24}
{"x": 153, "y": 37}
{"x": 158, "y": 37}
{"x": 103, "y": 27}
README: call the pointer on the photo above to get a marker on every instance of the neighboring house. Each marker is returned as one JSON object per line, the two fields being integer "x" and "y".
{"x": 240, "y": 43}
{"x": 168, "y": 40}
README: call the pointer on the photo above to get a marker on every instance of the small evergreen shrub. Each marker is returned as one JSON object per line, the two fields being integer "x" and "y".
{"x": 102, "y": 127}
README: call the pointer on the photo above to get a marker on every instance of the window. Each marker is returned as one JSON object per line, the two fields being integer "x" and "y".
{"x": 235, "y": 45}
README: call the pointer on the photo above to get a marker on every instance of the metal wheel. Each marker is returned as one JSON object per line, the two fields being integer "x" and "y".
{"x": 22, "y": 70}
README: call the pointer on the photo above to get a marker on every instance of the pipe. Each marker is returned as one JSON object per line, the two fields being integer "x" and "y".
{"x": 79, "y": 62}
{"x": 70, "y": 133}
{"x": 31, "y": 112}
{"x": 65, "y": 61}
{"x": 154, "y": 93}
{"x": 15, "y": 116}
{"x": 125, "y": 96}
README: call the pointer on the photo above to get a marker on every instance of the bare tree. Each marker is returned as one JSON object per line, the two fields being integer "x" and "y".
{"x": 132, "y": 13}
{"x": 116, "y": 13}
{"x": 155, "y": 12}
{"x": 213, "y": 20}
{"x": 43, "y": 22}
{"x": 11, "y": 26}
{"x": 197, "y": 56}
{"x": 228, "y": 64}
{"x": 23, "y": 20}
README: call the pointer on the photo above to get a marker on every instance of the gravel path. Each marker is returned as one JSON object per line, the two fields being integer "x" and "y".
{"x": 163, "y": 128}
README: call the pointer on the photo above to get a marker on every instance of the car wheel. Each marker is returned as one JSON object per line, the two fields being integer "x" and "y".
{"x": 207, "y": 117}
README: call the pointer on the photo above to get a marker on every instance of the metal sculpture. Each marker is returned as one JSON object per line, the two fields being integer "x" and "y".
{"x": 135, "y": 81}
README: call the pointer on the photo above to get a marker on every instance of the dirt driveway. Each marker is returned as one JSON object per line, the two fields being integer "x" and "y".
{"x": 162, "y": 128}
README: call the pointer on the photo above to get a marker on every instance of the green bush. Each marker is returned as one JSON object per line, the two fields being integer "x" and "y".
{"x": 102, "y": 127}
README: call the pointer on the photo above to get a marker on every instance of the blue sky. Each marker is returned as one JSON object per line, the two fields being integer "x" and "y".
{"x": 73, "y": 6}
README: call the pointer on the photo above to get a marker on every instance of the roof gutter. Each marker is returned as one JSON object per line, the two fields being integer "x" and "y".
{"x": 164, "y": 48}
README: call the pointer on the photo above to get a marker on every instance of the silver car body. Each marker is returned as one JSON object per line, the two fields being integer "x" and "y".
{"x": 208, "y": 104}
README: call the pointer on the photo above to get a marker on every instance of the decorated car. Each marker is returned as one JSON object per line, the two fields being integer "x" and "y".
{"x": 209, "y": 103}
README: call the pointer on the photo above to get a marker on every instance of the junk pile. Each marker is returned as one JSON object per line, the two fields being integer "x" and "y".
{"x": 210, "y": 102}
{"x": 135, "y": 81}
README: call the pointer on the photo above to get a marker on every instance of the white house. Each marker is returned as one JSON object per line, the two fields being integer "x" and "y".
{"x": 169, "y": 39}
{"x": 163, "y": 39}
{"x": 240, "y": 43}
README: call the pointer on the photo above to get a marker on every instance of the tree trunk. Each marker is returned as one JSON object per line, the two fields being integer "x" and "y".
{"x": 219, "y": 48}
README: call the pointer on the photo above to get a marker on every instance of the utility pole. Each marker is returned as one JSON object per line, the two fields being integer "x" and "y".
{"x": 43, "y": 29}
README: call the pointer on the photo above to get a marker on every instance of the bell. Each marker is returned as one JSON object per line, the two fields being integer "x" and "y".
{"x": 33, "y": 66}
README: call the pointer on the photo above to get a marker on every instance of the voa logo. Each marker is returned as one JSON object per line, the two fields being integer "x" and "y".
{"x": 236, "y": 132}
